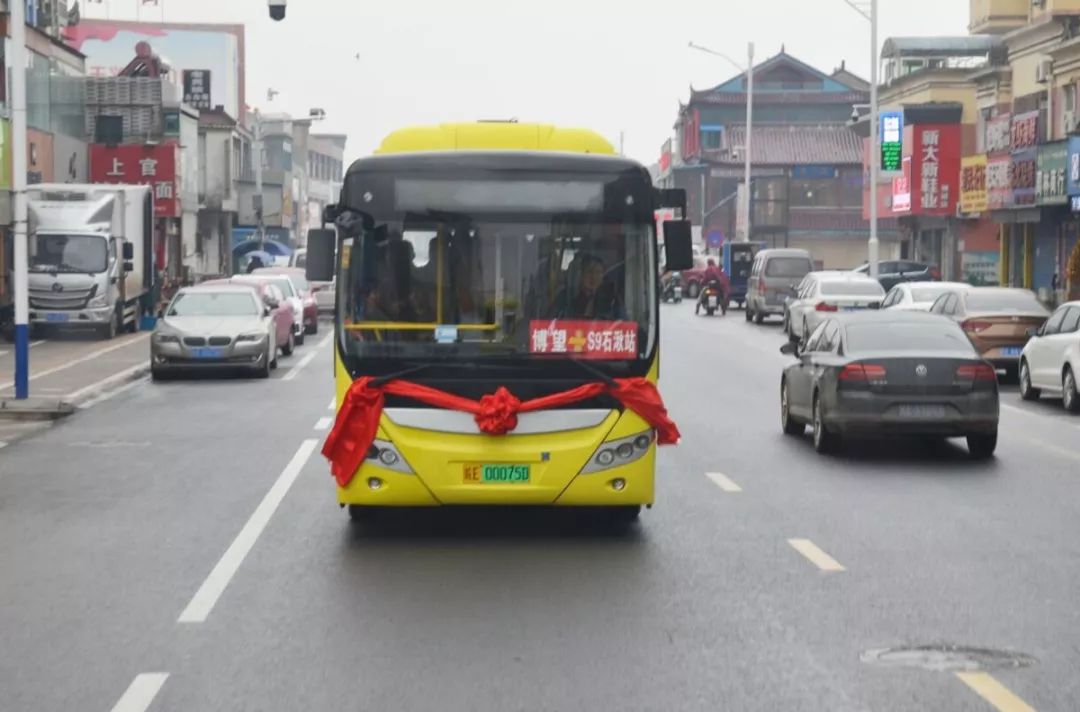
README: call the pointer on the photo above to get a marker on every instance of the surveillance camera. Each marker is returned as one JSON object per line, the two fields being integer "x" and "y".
{"x": 855, "y": 114}
{"x": 277, "y": 9}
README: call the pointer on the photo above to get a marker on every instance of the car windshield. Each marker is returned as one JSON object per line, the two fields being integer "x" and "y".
{"x": 1012, "y": 300}
{"x": 213, "y": 304}
{"x": 852, "y": 287}
{"x": 928, "y": 294}
{"x": 906, "y": 336}
{"x": 69, "y": 253}
{"x": 501, "y": 286}
{"x": 787, "y": 267}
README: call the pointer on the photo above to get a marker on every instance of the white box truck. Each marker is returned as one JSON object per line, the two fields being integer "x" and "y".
{"x": 91, "y": 256}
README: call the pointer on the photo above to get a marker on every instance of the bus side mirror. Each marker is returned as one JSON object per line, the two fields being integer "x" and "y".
{"x": 128, "y": 251}
{"x": 678, "y": 245}
{"x": 321, "y": 244}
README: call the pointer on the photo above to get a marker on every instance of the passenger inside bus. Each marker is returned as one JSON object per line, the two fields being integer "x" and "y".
{"x": 593, "y": 298}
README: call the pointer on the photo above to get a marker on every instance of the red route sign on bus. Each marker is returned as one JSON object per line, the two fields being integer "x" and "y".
{"x": 586, "y": 339}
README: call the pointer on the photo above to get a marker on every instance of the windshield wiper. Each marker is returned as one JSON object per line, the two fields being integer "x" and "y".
{"x": 593, "y": 371}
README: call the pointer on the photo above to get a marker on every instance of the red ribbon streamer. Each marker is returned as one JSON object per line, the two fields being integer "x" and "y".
{"x": 495, "y": 413}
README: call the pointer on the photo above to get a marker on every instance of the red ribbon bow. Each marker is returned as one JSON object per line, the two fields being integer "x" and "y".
{"x": 496, "y": 413}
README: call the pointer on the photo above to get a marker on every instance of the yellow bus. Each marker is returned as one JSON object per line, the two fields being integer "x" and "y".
{"x": 497, "y": 320}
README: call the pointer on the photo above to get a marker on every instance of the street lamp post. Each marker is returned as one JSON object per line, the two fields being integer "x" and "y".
{"x": 749, "y": 71}
{"x": 869, "y": 10}
{"x": 17, "y": 61}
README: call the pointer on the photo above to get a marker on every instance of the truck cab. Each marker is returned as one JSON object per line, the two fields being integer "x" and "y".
{"x": 90, "y": 256}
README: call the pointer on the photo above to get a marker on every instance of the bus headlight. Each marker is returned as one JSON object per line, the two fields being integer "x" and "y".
{"x": 382, "y": 453}
{"x": 623, "y": 451}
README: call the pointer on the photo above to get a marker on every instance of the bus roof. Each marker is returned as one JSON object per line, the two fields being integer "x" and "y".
{"x": 494, "y": 136}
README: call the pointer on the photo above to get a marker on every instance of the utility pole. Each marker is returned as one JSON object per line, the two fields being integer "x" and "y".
{"x": 875, "y": 142}
{"x": 17, "y": 62}
{"x": 749, "y": 132}
{"x": 257, "y": 149}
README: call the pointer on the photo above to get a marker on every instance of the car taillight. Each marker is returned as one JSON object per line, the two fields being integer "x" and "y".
{"x": 824, "y": 307}
{"x": 975, "y": 325}
{"x": 862, "y": 373}
{"x": 975, "y": 372}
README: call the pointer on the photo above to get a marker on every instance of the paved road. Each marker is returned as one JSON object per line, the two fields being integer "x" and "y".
{"x": 194, "y": 559}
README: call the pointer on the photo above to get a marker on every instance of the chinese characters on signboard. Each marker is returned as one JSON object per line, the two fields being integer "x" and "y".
{"x": 892, "y": 141}
{"x": 140, "y": 165}
{"x": 932, "y": 195}
{"x": 998, "y": 187}
{"x": 901, "y": 188}
{"x": 973, "y": 184}
{"x": 585, "y": 339}
{"x": 1025, "y": 130}
{"x": 998, "y": 134}
{"x": 197, "y": 88}
{"x": 1022, "y": 176}
{"x": 1050, "y": 174}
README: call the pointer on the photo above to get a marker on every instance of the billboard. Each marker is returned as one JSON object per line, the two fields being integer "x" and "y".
{"x": 973, "y": 184}
{"x": 140, "y": 165}
{"x": 217, "y": 50}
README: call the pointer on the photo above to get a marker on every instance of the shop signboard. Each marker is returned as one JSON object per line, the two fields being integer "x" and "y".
{"x": 998, "y": 134}
{"x": 973, "y": 184}
{"x": 136, "y": 164}
{"x": 1072, "y": 173}
{"x": 998, "y": 188}
{"x": 1050, "y": 174}
{"x": 1022, "y": 176}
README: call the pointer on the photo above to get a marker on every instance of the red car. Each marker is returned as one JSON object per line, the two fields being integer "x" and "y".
{"x": 307, "y": 294}
{"x": 274, "y": 300}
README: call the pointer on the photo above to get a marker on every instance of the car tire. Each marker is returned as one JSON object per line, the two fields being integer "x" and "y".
{"x": 312, "y": 329}
{"x": 982, "y": 446}
{"x": 788, "y": 423}
{"x": 1069, "y": 396}
{"x": 749, "y": 314}
{"x": 710, "y": 311}
{"x": 290, "y": 346}
{"x": 300, "y": 338}
{"x": 824, "y": 442}
{"x": 157, "y": 375}
{"x": 786, "y": 327}
{"x": 273, "y": 360}
{"x": 759, "y": 318}
{"x": 109, "y": 331}
{"x": 1027, "y": 391}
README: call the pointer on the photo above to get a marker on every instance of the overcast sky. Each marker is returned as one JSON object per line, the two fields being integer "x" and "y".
{"x": 377, "y": 65}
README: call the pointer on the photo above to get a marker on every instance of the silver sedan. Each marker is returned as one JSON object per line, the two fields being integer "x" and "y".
{"x": 209, "y": 328}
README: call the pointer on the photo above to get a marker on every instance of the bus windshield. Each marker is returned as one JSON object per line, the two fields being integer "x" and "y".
{"x": 523, "y": 286}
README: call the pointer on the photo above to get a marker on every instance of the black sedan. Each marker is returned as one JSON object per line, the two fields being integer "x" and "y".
{"x": 889, "y": 373}
{"x": 893, "y": 272}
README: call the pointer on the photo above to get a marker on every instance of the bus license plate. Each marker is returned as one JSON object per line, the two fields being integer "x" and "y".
{"x": 922, "y": 411}
{"x": 480, "y": 474}
{"x": 207, "y": 353}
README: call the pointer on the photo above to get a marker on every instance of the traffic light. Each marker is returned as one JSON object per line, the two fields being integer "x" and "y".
{"x": 277, "y": 9}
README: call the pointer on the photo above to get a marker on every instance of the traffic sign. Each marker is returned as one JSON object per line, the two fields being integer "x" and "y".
{"x": 892, "y": 142}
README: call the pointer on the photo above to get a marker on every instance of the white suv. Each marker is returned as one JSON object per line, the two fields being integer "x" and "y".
{"x": 1051, "y": 360}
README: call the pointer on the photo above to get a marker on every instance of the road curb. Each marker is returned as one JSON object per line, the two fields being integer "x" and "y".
{"x": 89, "y": 396}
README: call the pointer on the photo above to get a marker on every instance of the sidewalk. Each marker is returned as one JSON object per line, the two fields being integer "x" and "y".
{"x": 71, "y": 368}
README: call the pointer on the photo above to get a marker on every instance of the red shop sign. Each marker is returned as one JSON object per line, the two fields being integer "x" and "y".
{"x": 140, "y": 165}
{"x": 586, "y": 339}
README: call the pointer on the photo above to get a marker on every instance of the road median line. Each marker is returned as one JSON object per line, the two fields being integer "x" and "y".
{"x": 141, "y": 692}
{"x": 987, "y": 687}
{"x": 723, "y": 482}
{"x": 211, "y": 589}
{"x": 815, "y": 555}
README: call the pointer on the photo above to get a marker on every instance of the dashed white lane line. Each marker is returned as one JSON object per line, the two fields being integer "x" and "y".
{"x": 723, "y": 482}
{"x": 214, "y": 585}
{"x": 323, "y": 423}
{"x": 1042, "y": 416}
{"x": 333, "y": 404}
{"x": 326, "y": 339}
{"x": 141, "y": 692}
{"x": 298, "y": 367}
{"x": 815, "y": 555}
{"x": 988, "y": 688}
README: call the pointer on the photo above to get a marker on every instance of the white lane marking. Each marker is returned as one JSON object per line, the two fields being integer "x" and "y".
{"x": 4, "y": 353}
{"x": 97, "y": 400}
{"x": 816, "y": 556}
{"x": 723, "y": 482}
{"x": 326, "y": 340}
{"x": 323, "y": 423}
{"x": 36, "y": 343}
{"x": 214, "y": 585}
{"x": 298, "y": 367}
{"x": 141, "y": 692}
{"x": 82, "y": 359}
{"x": 333, "y": 403}
{"x": 1044, "y": 416}
{"x": 104, "y": 383}
{"x": 2, "y": 444}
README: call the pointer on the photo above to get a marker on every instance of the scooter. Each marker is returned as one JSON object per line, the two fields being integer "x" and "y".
{"x": 672, "y": 292}
{"x": 712, "y": 298}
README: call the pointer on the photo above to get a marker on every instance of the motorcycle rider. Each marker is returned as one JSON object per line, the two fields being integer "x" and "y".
{"x": 713, "y": 274}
